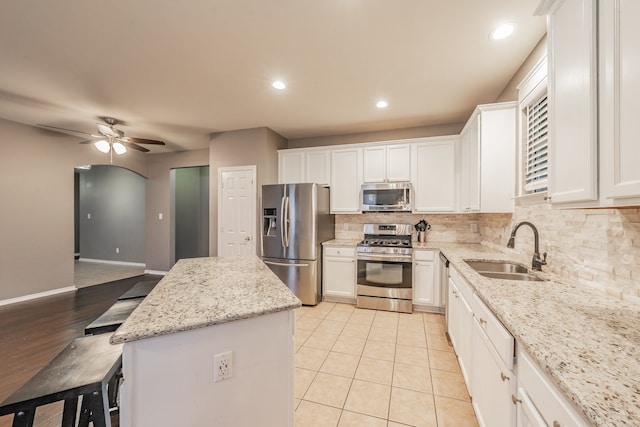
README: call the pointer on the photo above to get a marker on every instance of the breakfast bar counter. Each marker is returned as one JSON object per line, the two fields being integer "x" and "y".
{"x": 202, "y": 310}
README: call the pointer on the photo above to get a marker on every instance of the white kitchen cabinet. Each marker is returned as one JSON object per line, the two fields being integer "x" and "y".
{"x": 573, "y": 103}
{"x": 619, "y": 80}
{"x": 492, "y": 378}
{"x": 433, "y": 175}
{"x": 385, "y": 163}
{"x": 426, "y": 284}
{"x": 291, "y": 168}
{"x": 487, "y": 159}
{"x": 538, "y": 398}
{"x": 461, "y": 323}
{"x": 339, "y": 273}
{"x": 304, "y": 165}
{"x": 346, "y": 180}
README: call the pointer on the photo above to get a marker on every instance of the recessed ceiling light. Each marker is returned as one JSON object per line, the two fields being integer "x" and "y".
{"x": 279, "y": 85}
{"x": 502, "y": 31}
{"x": 382, "y": 104}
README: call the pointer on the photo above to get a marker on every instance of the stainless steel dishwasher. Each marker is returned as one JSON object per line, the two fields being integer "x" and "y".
{"x": 444, "y": 288}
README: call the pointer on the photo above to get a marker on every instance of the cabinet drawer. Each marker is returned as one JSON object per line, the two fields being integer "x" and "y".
{"x": 498, "y": 335}
{"x": 421, "y": 255}
{"x": 340, "y": 251}
{"x": 546, "y": 398}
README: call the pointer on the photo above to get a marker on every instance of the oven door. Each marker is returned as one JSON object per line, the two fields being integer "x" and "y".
{"x": 384, "y": 271}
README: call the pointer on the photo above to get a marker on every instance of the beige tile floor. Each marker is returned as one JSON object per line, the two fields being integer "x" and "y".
{"x": 365, "y": 368}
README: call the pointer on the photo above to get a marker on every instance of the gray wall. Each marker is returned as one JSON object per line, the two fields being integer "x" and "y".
{"x": 243, "y": 148}
{"x": 190, "y": 212}
{"x": 37, "y": 208}
{"x": 115, "y": 199}
{"x": 158, "y": 231}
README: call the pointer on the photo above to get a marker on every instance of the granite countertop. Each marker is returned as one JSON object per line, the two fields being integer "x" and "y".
{"x": 200, "y": 292}
{"x": 586, "y": 341}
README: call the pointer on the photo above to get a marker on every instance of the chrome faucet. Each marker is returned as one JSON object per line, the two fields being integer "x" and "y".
{"x": 537, "y": 262}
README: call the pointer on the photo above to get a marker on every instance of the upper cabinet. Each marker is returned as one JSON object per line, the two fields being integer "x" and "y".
{"x": 346, "y": 179}
{"x": 433, "y": 174}
{"x": 304, "y": 165}
{"x": 594, "y": 88}
{"x": 572, "y": 59}
{"x": 387, "y": 163}
{"x": 487, "y": 159}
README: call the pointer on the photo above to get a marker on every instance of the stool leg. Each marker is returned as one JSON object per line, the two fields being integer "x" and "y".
{"x": 98, "y": 405}
{"x": 69, "y": 412}
{"x": 24, "y": 418}
{"x": 85, "y": 411}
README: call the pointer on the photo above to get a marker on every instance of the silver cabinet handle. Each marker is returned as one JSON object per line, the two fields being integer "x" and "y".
{"x": 482, "y": 321}
{"x": 515, "y": 400}
{"x": 504, "y": 377}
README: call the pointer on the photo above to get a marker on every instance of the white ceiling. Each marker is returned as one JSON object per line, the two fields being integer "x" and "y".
{"x": 179, "y": 70}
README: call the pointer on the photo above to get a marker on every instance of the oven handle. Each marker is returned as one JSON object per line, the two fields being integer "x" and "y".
{"x": 384, "y": 257}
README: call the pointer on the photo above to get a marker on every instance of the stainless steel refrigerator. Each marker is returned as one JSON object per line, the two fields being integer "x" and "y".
{"x": 295, "y": 222}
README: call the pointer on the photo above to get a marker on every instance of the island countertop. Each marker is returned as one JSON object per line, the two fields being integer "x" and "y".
{"x": 201, "y": 292}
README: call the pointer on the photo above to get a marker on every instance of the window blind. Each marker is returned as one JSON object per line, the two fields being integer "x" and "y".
{"x": 536, "y": 171}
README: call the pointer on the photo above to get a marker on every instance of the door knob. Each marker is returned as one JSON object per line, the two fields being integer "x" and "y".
{"x": 247, "y": 238}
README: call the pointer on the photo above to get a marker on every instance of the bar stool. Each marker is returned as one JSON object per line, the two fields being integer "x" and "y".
{"x": 83, "y": 368}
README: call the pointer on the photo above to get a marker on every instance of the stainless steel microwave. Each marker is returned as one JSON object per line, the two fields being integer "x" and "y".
{"x": 386, "y": 197}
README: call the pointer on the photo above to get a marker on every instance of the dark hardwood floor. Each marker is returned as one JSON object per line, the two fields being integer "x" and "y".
{"x": 34, "y": 332}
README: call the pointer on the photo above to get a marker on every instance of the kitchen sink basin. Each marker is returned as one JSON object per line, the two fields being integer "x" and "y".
{"x": 505, "y": 270}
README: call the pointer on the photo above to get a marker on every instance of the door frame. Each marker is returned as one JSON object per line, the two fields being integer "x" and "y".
{"x": 253, "y": 169}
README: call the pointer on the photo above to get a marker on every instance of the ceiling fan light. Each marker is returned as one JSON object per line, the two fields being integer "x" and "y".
{"x": 103, "y": 146}
{"x": 119, "y": 148}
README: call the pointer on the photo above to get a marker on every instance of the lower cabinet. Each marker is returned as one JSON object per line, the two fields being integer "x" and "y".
{"x": 339, "y": 274}
{"x": 540, "y": 403}
{"x": 461, "y": 323}
{"x": 426, "y": 283}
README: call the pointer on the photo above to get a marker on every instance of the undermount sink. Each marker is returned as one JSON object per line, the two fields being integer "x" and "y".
{"x": 505, "y": 270}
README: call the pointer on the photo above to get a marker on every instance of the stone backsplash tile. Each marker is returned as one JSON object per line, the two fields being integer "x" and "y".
{"x": 594, "y": 247}
{"x": 448, "y": 228}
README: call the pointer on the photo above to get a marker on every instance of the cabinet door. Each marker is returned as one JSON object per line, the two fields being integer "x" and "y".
{"x": 339, "y": 277}
{"x": 346, "y": 179}
{"x": 465, "y": 340}
{"x": 453, "y": 316}
{"x": 493, "y": 384}
{"x": 291, "y": 167}
{"x": 375, "y": 164}
{"x": 398, "y": 162}
{"x": 318, "y": 167}
{"x": 527, "y": 413}
{"x": 424, "y": 286}
{"x": 433, "y": 176}
{"x": 573, "y": 149}
{"x": 469, "y": 161}
{"x": 619, "y": 98}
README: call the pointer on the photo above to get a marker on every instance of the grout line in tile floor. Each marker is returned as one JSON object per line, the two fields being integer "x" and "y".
{"x": 447, "y": 407}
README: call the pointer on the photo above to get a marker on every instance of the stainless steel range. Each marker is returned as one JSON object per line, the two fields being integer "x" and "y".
{"x": 384, "y": 268}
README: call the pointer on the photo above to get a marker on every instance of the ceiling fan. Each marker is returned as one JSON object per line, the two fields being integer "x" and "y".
{"x": 108, "y": 138}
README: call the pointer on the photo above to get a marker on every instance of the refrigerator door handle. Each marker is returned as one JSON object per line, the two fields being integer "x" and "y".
{"x": 288, "y": 222}
{"x": 282, "y": 222}
{"x": 282, "y": 264}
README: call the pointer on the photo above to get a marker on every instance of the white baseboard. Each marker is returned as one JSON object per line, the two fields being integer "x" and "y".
{"x": 156, "y": 272}
{"x": 37, "y": 295}
{"x": 106, "y": 261}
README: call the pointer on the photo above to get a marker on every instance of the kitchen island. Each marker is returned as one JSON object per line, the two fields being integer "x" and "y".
{"x": 204, "y": 308}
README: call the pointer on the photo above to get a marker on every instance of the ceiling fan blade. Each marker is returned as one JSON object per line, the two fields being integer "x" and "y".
{"x": 63, "y": 130}
{"x": 107, "y": 130}
{"x": 145, "y": 141}
{"x": 135, "y": 147}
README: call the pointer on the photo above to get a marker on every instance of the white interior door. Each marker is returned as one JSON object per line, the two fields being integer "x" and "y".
{"x": 236, "y": 210}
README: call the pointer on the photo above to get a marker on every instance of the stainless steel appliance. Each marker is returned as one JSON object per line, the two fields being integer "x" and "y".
{"x": 444, "y": 287}
{"x": 295, "y": 222}
{"x": 386, "y": 197}
{"x": 384, "y": 279}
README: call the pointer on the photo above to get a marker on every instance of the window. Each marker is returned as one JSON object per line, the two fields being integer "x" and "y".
{"x": 535, "y": 147}
{"x": 533, "y": 135}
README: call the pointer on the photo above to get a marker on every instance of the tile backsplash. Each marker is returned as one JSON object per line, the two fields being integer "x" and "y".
{"x": 592, "y": 247}
{"x": 444, "y": 227}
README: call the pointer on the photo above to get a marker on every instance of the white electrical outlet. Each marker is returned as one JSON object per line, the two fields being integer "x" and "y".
{"x": 117, "y": 250}
{"x": 223, "y": 366}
